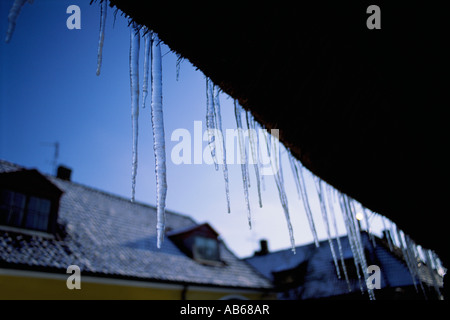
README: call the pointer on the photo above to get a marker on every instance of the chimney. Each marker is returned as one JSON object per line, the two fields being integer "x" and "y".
{"x": 64, "y": 173}
{"x": 264, "y": 248}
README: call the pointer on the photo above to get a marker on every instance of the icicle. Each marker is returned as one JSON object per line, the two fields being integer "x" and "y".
{"x": 429, "y": 258}
{"x": 218, "y": 118}
{"x": 255, "y": 157}
{"x": 260, "y": 130}
{"x": 366, "y": 219}
{"x": 341, "y": 253}
{"x": 321, "y": 195}
{"x": 158, "y": 139}
{"x": 103, "y": 8}
{"x": 147, "y": 64}
{"x": 388, "y": 234}
{"x": 178, "y": 65}
{"x": 407, "y": 259}
{"x": 12, "y": 17}
{"x": 115, "y": 16}
{"x": 301, "y": 188}
{"x": 246, "y": 156}
{"x": 211, "y": 121}
{"x": 244, "y": 165}
{"x": 349, "y": 225}
{"x": 134, "y": 86}
{"x": 413, "y": 257}
{"x": 275, "y": 161}
{"x": 360, "y": 246}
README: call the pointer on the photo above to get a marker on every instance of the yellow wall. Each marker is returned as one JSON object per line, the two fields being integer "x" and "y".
{"x": 21, "y": 287}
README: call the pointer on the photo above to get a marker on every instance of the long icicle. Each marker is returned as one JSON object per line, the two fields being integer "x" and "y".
{"x": 218, "y": 118}
{"x": 406, "y": 257}
{"x": 134, "y": 86}
{"x": 301, "y": 188}
{"x": 12, "y": 18}
{"x": 369, "y": 231}
{"x": 211, "y": 121}
{"x": 147, "y": 63}
{"x": 323, "y": 208}
{"x": 259, "y": 151}
{"x": 275, "y": 161}
{"x": 338, "y": 238}
{"x": 255, "y": 158}
{"x": 360, "y": 247}
{"x": 158, "y": 139}
{"x": 351, "y": 237}
{"x": 178, "y": 65}
{"x": 244, "y": 166}
{"x": 103, "y": 9}
{"x": 429, "y": 256}
{"x": 388, "y": 234}
{"x": 412, "y": 250}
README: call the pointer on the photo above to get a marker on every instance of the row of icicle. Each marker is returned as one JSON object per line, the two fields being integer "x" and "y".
{"x": 413, "y": 254}
{"x": 153, "y": 72}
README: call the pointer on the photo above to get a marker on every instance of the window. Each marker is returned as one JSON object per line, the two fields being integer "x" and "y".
{"x": 199, "y": 242}
{"x": 206, "y": 249}
{"x": 23, "y": 211}
{"x": 12, "y": 208}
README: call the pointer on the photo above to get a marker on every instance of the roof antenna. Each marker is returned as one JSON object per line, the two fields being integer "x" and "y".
{"x": 55, "y": 155}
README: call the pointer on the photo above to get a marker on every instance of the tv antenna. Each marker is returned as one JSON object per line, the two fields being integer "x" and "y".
{"x": 55, "y": 145}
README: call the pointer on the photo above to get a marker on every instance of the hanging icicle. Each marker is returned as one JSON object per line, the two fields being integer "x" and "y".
{"x": 158, "y": 139}
{"x": 412, "y": 253}
{"x": 407, "y": 258}
{"x": 338, "y": 238}
{"x": 388, "y": 234}
{"x": 218, "y": 119}
{"x": 360, "y": 246}
{"x": 301, "y": 188}
{"x": 103, "y": 8}
{"x": 244, "y": 164}
{"x": 260, "y": 130}
{"x": 369, "y": 231}
{"x": 252, "y": 137}
{"x": 349, "y": 225}
{"x": 12, "y": 17}
{"x": 211, "y": 122}
{"x": 323, "y": 208}
{"x": 274, "y": 152}
{"x": 178, "y": 66}
{"x": 429, "y": 258}
{"x": 148, "y": 38}
{"x": 134, "y": 86}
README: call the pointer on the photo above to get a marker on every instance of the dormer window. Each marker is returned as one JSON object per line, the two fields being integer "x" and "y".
{"x": 198, "y": 242}
{"x": 28, "y": 201}
{"x": 20, "y": 210}
{"x": 206, "y": 249}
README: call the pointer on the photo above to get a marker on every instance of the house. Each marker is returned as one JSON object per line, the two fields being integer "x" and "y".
{"x": 49, "y": 223}
{"x": 311, "y": 272}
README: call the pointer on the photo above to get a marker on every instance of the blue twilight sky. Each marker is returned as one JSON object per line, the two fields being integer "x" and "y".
{"x": 49, "y": 92}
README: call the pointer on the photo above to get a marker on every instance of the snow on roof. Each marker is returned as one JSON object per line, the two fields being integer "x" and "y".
{"x": 108, "y": 235}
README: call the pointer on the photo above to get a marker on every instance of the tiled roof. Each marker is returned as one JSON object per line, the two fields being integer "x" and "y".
{"x": 109, "y": 236}
{"x": 320, "y": 279}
